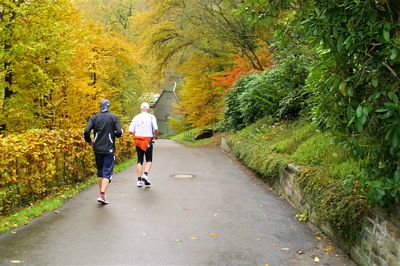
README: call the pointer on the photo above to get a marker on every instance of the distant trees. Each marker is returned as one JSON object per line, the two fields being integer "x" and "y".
{"x": 200, "y": 40}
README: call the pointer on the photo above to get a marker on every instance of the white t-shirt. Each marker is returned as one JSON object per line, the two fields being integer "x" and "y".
{"x": 143, "y": 124}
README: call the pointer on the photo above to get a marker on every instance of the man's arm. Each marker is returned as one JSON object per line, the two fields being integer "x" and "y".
{"x": 118, "y": 128}
{"x": 155, "y": 127}
{"x": 88, "y": 129}
{"x": 131, "y": 128}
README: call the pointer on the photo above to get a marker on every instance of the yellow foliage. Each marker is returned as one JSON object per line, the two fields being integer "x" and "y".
{"x": 200, "y": 102}
{"x": 39, "y": 162}
{"x": 62, "y": 65}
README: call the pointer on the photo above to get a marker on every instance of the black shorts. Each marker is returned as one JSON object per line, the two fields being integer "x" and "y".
{"x": 141, "y": 154}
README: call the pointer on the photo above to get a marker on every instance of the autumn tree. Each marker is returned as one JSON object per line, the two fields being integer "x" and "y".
{"x": 104, "y": 67}
{"x": 40, "y": 49}
{"x": 114, "y": 15}
{"x": 171, "y": 28}
{"x": 61, "y": 64}
{"x": 177, "y": 34}
{"x": 7, "y": 20}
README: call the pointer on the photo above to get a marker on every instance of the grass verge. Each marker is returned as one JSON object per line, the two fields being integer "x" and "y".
{"x": 25, "y": 215}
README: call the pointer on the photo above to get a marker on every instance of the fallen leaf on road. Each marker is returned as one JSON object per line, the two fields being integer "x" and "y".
{"x": 178, "y": 240}
{"x": 285, "y": 249}
{"x": 318, "y": 238}
{"x": 316, "y": 259}
{"x": 213, "y": 234}
{"x": 258, "y": 239}
{"x": 328, "y": 248}
{"x": 266, "y": 264}
{"x": 194, "y": 238}
{"x": 15, "y": 261}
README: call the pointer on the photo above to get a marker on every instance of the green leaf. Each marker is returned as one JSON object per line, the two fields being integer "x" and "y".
{"x": 317, "y": 11}
{"x": 397, "y": 176}
{"x": 381, "y": 110}
{"x": 386, "y": 35}
{"x": 374, "y": 83}
{"x": 342, "y": 88}
{"x": 349, "y": 112}
{"x": 359, "y": 111}
{"x": 349, "y": 90}
{"x": 395, "y": 54}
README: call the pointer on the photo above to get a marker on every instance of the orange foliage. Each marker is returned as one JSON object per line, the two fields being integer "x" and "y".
{"x": 241, "y": 67}
{"x": 200, "y": 102}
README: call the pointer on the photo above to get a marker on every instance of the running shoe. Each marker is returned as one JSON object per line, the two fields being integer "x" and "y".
{"x": 102, "y": 199}
{"x": 139, "y": 183}
{"x": 146, "y": 180}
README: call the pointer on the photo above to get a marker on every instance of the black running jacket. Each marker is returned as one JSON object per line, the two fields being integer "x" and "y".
{"x": 106, "y": 127}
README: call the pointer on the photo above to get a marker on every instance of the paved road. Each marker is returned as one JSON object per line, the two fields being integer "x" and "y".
{"x": 221, "y": 216}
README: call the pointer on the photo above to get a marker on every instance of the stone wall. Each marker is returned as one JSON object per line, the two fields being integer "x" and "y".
{"x": 380, "y": 242}
{"x": 380, "y": 239}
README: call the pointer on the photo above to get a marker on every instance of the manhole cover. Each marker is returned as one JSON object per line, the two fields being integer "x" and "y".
{"x": 182, "y": 176}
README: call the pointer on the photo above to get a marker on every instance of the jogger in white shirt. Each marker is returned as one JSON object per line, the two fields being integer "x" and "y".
{"x": 144, "y": 129}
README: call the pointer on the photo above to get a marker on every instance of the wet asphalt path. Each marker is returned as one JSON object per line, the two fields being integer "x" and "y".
{"x": 221, "y": 216}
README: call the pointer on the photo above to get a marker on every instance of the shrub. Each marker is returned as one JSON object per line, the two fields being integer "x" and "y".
{"x": 252, "y": 98}
{"x": 233, "y": 119}
{"x": 40, "y": 162}
{"x": 356, "y": 84}
{"x": 277, "y": 92}
{"x": 261, "y": 97}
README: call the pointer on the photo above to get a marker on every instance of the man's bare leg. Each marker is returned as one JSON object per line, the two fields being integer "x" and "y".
{"x": 147, "y": 167}
{"x": 103, "y": 184}
{"x": 139, "y": 169}
{"x": 145, "y": 178}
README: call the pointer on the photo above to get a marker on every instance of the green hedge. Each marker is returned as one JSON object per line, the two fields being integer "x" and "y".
{"x": 39, "y": 163}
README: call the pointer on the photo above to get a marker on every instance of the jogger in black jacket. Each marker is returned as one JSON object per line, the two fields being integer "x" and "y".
{"x": 106, "y": 128}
